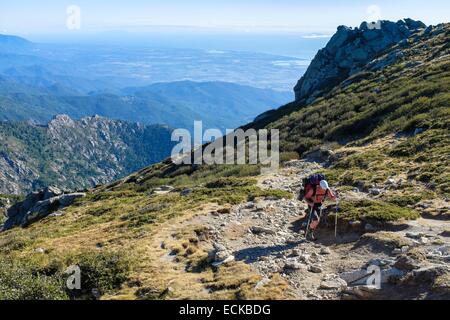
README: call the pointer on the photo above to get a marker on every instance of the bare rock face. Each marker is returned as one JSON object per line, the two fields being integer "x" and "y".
{"x": 77, "y": 154}
{"x": 38, "y": 205}
{"x": 348, "y": 51}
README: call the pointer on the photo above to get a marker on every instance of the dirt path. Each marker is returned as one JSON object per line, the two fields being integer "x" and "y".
{"x": 266, "y": 234}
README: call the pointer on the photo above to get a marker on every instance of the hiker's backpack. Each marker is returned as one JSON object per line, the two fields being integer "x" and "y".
{"x": 309, "y": 183}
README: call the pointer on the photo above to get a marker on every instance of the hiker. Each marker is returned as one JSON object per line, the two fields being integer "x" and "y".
{"x": 315, "y": 197}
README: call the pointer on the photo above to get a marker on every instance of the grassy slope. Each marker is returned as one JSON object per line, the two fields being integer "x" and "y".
{"x": 371, "y": 126}
{"x": 368, "y": 124}
{"x": 124, "y": 221}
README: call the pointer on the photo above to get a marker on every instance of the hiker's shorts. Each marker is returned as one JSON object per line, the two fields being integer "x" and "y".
{"x": 315, "y": 218}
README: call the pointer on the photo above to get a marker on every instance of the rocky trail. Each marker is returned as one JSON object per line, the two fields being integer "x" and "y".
{"x": 266, "y": 234}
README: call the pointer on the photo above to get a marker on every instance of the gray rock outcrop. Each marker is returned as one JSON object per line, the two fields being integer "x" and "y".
{"x": 348, "y": 51}
{"x": 38, "y": 205}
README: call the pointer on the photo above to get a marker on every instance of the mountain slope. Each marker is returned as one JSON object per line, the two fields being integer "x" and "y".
{"x": 404, "y": 91}
{"x": 76, "y": 154}
{"x": 226, "y": 232}
{"x": 218, "y": 105}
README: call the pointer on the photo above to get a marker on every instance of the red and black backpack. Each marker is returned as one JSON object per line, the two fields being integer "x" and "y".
{"x": 311, "y": 182}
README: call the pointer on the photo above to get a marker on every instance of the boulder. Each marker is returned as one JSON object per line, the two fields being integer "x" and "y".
{"x": 40, "y": 250}
{"x": 262, "y": 283}
{"x": 427, "y": 275}
{"x": 38, "y": 205}
{"x": 249, "y": 205}
{"x": 219, "y": 247}
{"x": 67, "y": 199}
{"x": 320, "y": 155}
{"x": 333, "y": 284}
{"x": 221, "y": 255}
{"x": 163, "y": 190}
{"x": 51, "y": 192}
{"x": 305, "y": 258}
{"x": 261, "y": 230}
{"x": 294, "y": 265}
{"x": 406, "y": 263}
{"x": 362, "y": 292}
{"x": 375, "y": 191}
{"x": 382, "y": 263}
{"x": 315, "y": 269}
{"x": 225, "y": 260}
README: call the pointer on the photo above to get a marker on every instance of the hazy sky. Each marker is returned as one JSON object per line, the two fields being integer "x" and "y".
{"x": 322, "y": 16}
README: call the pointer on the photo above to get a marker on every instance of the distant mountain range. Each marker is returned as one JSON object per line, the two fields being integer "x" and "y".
{"x": 37, "y": 83}
{"x": 38, "y": 146}
{"x": 13, "y": 44}
{"x": 98, "y": 68}
{"x": 76, "y": 154}
{"x": 179, "y": 104}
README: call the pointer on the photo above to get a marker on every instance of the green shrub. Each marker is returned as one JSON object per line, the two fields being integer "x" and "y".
{"x": 373, "y": 210}
{"x": 14, "y": 240}
{"x": 21, "y": 281}
{"x": 359, "y": 161}
{"x": 288, "y": 156}
{"x": 229, "y": 182}
{"x": 43, "y": 277}
{"x": 404, "y": 201}
{"x": 104, "y": 271}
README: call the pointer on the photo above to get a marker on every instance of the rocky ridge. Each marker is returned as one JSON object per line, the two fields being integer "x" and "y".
{"x": 37, "y": 206}
{"x": 75, "y": 154}
{"x": 348, "y": 51}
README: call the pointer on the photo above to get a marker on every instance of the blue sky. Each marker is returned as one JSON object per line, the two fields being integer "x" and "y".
{"x": 320, "y": 16}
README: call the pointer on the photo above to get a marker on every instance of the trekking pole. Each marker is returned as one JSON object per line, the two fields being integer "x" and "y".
{"x": 309, "y": 222}
{"x": 363, "y": 277}
{"x": 336, "y": 219}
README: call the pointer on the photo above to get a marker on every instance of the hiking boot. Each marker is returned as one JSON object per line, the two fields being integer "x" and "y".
{"x": 311, "y": 236}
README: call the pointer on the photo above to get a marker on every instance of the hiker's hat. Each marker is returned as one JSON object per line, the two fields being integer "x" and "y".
{"x": 324, "y": 185}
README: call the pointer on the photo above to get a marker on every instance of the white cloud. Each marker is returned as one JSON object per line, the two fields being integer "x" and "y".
{"x": 317, "y": 36}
